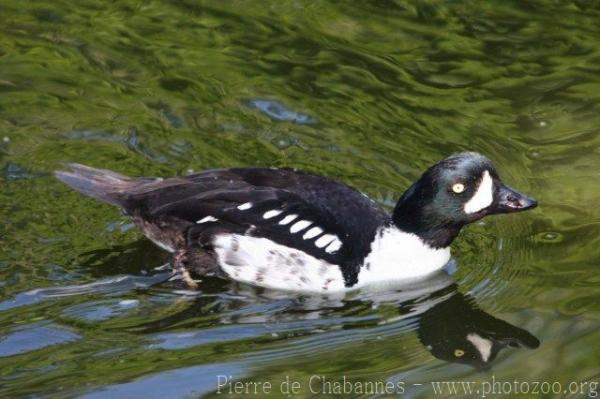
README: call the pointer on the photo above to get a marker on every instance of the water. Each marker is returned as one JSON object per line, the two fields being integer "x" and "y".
{"x": 370, "y": 93}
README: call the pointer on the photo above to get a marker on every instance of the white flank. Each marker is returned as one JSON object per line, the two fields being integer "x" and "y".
{"x": 288, "y": 219}
{"x": 483, "y": 345}
{"x": 271, "y": 214}
{"x": 207, "y": 219}
{"x": 245, "y": 206}
{"x": 262, "y": 262}
{"x": 315, "y": 231}
{"x": 299, "y": 226}
{"x": 397, "y": 255}
{"x": 334, "y": 246}
{"x": 483, "y": 197}
{"x": 324, "y": 240}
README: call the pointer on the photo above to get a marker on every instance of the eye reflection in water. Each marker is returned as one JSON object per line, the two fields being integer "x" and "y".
{"x": 456, "y": 330}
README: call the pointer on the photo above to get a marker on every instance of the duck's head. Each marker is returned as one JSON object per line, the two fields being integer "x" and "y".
{"x": 456, "y": 191}
{"x": 457, "y": 331}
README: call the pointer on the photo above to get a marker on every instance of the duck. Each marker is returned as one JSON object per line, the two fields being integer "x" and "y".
{"x": 286, "y": 229}
{"x": 456, "y": 330}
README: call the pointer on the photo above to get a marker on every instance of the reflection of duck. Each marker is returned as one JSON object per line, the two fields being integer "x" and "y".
{"x": 449, "y": 324}
{"x": 456, "y": 330}
{"x": 284, "y": 229}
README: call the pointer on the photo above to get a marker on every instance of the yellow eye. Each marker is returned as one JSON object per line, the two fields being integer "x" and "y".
{"x": 458, "y": 188}
{"x": 459, "y": 352}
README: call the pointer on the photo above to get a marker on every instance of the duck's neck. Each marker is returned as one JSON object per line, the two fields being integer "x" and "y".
{"x": 412, "y": 215}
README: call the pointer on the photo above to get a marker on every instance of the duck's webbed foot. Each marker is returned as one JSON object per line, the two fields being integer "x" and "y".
{"x": 180, "y": 260}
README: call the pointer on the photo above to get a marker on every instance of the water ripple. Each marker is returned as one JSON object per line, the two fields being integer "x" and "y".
{"x": 109, "y": 286}
{"x": 33, "y": 337}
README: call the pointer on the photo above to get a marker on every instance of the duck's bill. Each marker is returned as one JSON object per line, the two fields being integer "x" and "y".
{"x": 509, "y": 200}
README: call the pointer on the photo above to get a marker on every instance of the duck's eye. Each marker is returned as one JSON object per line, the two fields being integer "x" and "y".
{"x": 458, "y": 188}
{"x": 459, "y": 352}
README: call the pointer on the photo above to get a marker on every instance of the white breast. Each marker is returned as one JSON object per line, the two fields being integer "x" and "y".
{"x": 397, "y": 255}
{"x": 262, "y": 262}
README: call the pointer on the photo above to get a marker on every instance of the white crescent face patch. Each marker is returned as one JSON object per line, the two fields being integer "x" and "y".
{"x": 483, "y": 197}
{"x": 483, "y": 345}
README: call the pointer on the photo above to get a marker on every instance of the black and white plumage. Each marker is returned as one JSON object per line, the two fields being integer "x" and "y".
{"x": 457, "y": 330}
{"x": 285, "y": 229}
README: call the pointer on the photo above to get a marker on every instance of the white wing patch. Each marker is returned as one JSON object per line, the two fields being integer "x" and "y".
{"x": 483, "y": 197}
{"x": 334, "y": 246}
{"x": 288, "y": 219}
{"x": 245, "y": 206}
{"x": 315, "y": 231}
{"x": 262, "y": 262}
{"x": 325, "y": 240}
{"x": 299, "y": 226}
{"x": 207, "y": 219}
{"x": 272, "y": 214}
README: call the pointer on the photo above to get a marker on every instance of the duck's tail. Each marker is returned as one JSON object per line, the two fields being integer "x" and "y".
{"x": 101, "y": 184}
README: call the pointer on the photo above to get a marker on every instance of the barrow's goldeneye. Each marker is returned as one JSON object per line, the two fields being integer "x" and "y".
{"x": 286, "y": 229}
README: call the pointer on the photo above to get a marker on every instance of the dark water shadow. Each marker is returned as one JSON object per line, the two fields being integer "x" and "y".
{"x": 448, "y": 323}
{"x": 132, "y": 258}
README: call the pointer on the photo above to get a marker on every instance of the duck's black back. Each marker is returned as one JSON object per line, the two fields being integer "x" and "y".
{"x": 177, "y": 203}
